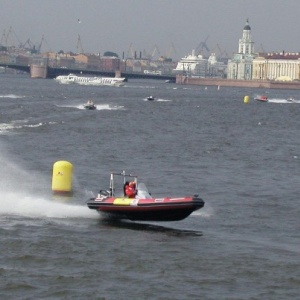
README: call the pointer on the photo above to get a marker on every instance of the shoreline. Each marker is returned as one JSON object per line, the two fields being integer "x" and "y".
{"x": 267, "y": 84}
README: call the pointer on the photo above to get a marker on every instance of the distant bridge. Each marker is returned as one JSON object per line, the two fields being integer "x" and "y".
{"x": 53, "y": 72}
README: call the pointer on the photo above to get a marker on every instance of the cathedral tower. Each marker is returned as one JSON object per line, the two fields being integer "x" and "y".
{"x": 245, "y": 43}
{"x": 240, "y": 66}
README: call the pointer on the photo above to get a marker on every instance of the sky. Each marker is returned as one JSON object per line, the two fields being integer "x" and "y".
{"x": 171, "y": 28}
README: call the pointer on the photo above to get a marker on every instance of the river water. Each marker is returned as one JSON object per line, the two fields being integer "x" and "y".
{"x": 242, "y": 159}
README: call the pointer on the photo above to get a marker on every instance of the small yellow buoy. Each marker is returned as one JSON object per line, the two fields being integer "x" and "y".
{"x": 246, "y": 99}
{"x": 62, "y": 177}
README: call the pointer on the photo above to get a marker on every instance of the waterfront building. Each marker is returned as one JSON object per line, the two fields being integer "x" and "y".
{"x": 240, "y": 66}
{"x": 109, "y": 63}
{"x": 93, "y": 61}
{"x": 23, "y": 60}
{"x": 6, "y": 58}
{"x": 282, "y": 66}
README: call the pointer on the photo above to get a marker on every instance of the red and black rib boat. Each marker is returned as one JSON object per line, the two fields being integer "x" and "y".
{"x": 143, "y": 207}
{"x": 261, "y": 98}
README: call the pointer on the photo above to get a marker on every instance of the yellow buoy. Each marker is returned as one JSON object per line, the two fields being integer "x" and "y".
{"x": 246, "y": 99}
{"x": 62, "y": 177}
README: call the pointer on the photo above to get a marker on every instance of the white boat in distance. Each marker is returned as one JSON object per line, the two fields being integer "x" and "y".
{"x": 96, "y": 81}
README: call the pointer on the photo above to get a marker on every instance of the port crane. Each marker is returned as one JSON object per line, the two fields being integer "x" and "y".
{"x": 202, "y": 46}
{"x": 6, "y": 38}
{"x": 130, "y": 52}
{"x": 221, "y": 54}
{"x": 168, "y": 55}
{"x": 79, "y": 45}
{"x": 28, "y": 46}
{"x": 154, "y": 52}
{"x": 40, "y": 44}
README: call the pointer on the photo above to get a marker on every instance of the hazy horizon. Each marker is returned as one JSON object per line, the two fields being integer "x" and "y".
{"x": 173, "y": 27}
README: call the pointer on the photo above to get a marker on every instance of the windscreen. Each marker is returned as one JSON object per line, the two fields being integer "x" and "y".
{"x": 143, "y": 191}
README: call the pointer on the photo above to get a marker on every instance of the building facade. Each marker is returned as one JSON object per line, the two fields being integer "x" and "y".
{"x": 282, "y": 66}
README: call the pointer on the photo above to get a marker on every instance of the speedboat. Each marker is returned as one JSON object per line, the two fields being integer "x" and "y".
{"x": 261, "y": 98}
{"x": 113, "y": 203}
{"x": 290, "y": 99}
{"x": 90, "y": 105}
{"x": 150, "y": 98}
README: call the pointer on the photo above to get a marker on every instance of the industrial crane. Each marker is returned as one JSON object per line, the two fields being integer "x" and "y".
{"x": 130, "y": 52}
{"x": 154, "y": 51}
{"x": 79, "y": 45}
{"x": 202, "y": 46}
{"x": 168, "y": 55}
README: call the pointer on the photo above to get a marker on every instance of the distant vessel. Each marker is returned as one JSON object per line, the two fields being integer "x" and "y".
{"x": 290, "y": 99}
{"x": 90, "y": 105}
{"x": 261, "y": 98}
{"x": 192, "y": 65}
{"x": 150, "y": 98}
{"x": 95, "y": 81}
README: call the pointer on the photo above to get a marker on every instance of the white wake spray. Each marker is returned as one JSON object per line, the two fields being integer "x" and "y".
{"x": 12, "y": 96}
{"x": 19, "y": 196}
{"x": 26, "y": 205}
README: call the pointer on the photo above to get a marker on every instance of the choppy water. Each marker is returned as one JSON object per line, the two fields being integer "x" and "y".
{"x": 242, "y": 159}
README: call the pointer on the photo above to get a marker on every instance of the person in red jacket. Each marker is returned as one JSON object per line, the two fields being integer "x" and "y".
{"x": 130, "y": 190}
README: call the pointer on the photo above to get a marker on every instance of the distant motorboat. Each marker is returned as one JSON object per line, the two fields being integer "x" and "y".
{"x": 261, "y": 98}
{"x": 150, "y": 98}
{"x": 90, "y": 105}
{"x": 93, "y": 81}
{"x": 290, "y": 99}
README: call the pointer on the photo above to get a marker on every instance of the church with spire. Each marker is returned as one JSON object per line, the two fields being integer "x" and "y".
{"x": 240, "y": 66}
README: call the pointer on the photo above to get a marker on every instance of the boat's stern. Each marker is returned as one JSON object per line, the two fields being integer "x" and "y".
{"x": 92, "y": 204}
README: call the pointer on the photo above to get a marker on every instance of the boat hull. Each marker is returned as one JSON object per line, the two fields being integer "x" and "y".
{"x": 90, "y": 107}
{"x": 164, "y": 209}
{"x": 261, "y": 100}
{"x": 150, "y": 98}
